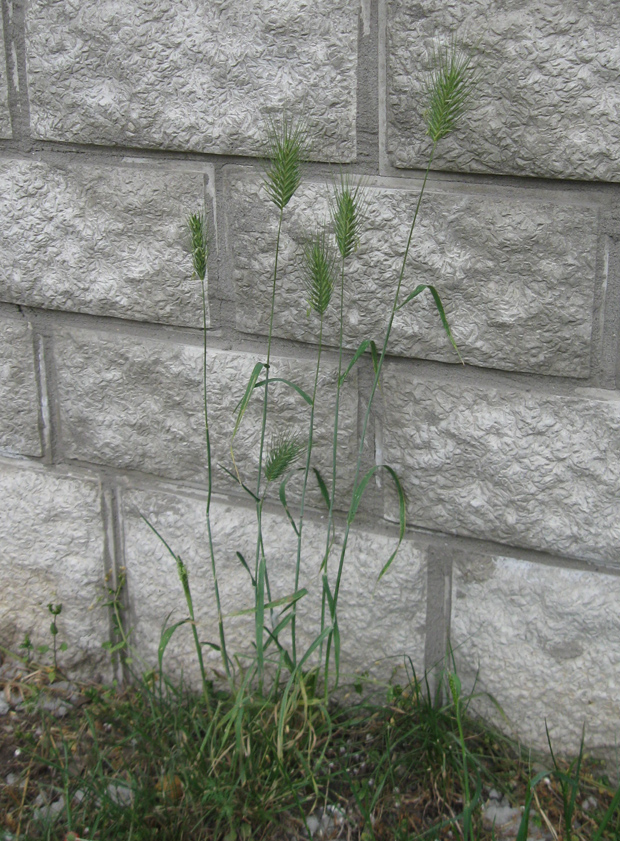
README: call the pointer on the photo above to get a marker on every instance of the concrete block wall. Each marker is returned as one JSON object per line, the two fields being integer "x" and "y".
{"x": 116, "y": 122}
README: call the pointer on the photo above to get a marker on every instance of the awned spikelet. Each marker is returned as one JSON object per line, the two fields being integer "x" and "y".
{"x": 451, "y": 85}
{"x": 284, "y": 450}
{"x": 287, "y": 143}
{"x": 346, "y": 209}
{"x": 198, "y": 232}
{"x": 319, "y": 273}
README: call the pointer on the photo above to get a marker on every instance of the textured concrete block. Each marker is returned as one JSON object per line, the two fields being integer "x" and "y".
{"x": 5, "y": 116}
{"x": 52, "y": 540}
{"x": 378, "y": 626}
{"x": 19, "y": 425}
{"x": 516, "y": 273}
{"x": 548, "y": 99}
{"x": 100, "y": 239}
{"x": 525, "y": 468}
{"x": 544, "y": 643}
{"x": 137, "y": 403}
{"x": 189, "y": 75}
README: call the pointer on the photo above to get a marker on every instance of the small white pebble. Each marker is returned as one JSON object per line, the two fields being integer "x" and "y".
{"x": 18, "y": 752}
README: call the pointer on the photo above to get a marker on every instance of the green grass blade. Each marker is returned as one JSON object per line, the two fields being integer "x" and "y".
{"x": 359, "y": 492}
{"x": 260, "y": 612}
{"x": 402, "y": 517}
{"x": 361, "y": 350}
{"x": 375, "y": 355}
{"x": 292, "y": 385}
{"x": 284, "y": 600}
{"x": 239, "y": 482}
{"x": 444, "y": 320}
{"x": 417, "y": 291}
{"x": 242, "y": 405}
{"x": 442, "y": 314}
{"x": 332, "y": 613}
{"x": 575, "y": 785}
{"x": 608, "y": 816}
{"x": 244, "y": 563}
{"x": 273, "y": 637}
{"x": 525, "y": 819}
{"x": 322, "y": 488}
{"x": 310, "y": 651}
{"x": 166, "y": 636}
{"x": 282, "y": 495}
{"x": 154, "y": 530}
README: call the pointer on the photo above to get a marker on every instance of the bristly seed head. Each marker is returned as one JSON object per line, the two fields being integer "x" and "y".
{"x": 198, "y": 231}
{"x": 287, "y": 146}
{"x": 284, "y": 451}
{"x": 451, "y": 85}
{"x": 319, "y": 273}
{"x": 346, "y": 207}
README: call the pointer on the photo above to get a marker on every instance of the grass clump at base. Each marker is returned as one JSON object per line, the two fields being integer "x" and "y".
{"x": 155, "y": 761}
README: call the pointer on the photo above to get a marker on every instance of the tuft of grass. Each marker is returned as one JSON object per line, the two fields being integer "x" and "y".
{"x": 153, "y": 763}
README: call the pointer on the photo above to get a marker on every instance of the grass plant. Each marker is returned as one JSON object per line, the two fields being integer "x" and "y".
{"x": 275, "y": 631}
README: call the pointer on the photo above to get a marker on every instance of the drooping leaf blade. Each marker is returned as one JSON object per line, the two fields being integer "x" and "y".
{"x": 402, "y": 517}
{"x": 438, "y": 304}
{"x": 292, "y": 385}
{"x": 239, "y": 482}
{"x": 322, "y": 488}
{"x": 241, "y": 407}
{"x": 282, "y": 495}
{"x": 284, "y": 600}
{"x": 166, "y": 636}
{"x": 244, "y": 564}
{"x": 359, "y": 492}
{"x": 357, "y": 498}
{"x": 361, "y": 350}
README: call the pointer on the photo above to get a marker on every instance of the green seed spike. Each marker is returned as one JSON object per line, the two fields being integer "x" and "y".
{"x": 284, "y": 451}
{"x": 347, "y": 207}
{"x": 198, "y": 231}
{"x": 452, "y": 82}
{"x": 287, "y": 144}
{"x": 319, "y": 273}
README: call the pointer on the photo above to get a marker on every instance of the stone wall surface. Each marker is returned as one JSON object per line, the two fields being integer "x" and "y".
{"x": 138, "y": 404}
{"x": 501, "y": 263}
{"x": 105, "y": 240}
{"x": 540, "y": 639}
{"x": 525, "y": 468}
{"x": 19, "y": 424}
{"x": 201, "y": 76}
{"x": 547, "y": 92}
{"x": 53, "y": 551}
{"x": 5, "y": 116}
{"x": 118, "y": 121}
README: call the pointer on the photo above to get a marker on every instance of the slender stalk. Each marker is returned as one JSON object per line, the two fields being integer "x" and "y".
{"x": 303, "y": 495}
{"x": 330, "y": 516}
{"x": 259, "y": 566}
{"x": 210, "y": 485}
{"x": 184, "y": 579}
{"x": 370, "y": 401}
